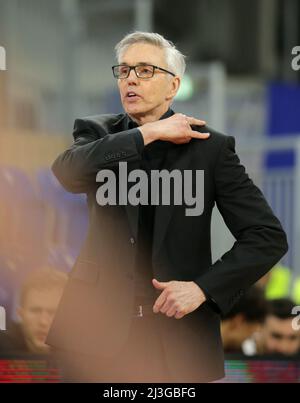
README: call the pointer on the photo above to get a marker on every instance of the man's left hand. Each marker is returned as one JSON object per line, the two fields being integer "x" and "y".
{"x": 178, "y": 298}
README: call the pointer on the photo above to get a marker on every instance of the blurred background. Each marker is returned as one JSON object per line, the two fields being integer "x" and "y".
{"x": 58, "y": 58}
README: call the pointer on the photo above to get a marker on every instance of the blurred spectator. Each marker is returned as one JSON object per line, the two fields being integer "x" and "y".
{"x": 243, "y": 320}
{"x": 277, "y": 335}
{"x": 39, "y": 298}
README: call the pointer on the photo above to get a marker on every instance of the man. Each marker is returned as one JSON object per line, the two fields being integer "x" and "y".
{"x": 144, "y": 285}
{"x": 243, "y": 320}
{"x": 40, "y": 296}
{"x": 277, "y": 335}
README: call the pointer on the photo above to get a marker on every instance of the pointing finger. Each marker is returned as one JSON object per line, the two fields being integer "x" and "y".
{"x": 198, "y": 135}
{"x": 194, "y": 121}
{"x": 159, "y": 284}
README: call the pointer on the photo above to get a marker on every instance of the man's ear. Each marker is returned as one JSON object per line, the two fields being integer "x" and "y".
{"x": 175, "y": 84}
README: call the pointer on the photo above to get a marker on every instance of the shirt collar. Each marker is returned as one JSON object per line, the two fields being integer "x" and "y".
{"x": 130, "y": 124}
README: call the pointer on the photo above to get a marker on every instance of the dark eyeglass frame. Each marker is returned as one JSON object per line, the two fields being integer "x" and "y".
{"x": 139, "y": 65}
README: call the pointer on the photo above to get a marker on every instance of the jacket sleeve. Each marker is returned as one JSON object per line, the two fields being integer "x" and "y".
{"x": 260, "y": 239}
{"x": 94, "y": 149}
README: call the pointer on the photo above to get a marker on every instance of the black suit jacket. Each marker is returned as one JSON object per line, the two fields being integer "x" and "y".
{"x": 96, "y": 310}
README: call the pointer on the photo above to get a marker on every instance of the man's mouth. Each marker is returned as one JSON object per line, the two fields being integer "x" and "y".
{"x": 132, "y": 96}
{"x": 41, "y": 336}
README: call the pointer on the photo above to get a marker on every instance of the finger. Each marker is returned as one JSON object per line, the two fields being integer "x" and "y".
{"x": 160, "y": 285}
{"x": 166, "y": 306}
{"x": 171, "y": 312}
{"x": 179, "y": 315}
{"x": 194, "y": 121}
{"x": 159, "y": 302}
{"x": 197, "y": 135}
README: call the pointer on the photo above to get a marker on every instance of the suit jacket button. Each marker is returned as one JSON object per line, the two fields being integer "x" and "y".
{"x": 132, "y": 240}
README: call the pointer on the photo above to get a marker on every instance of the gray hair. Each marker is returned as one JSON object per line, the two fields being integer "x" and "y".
{"x": 174, "y": 58}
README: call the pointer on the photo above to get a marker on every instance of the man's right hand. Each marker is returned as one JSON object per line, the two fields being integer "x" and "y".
{"x": 176, "y": 129}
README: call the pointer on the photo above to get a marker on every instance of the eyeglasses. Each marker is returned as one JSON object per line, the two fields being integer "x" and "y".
{"x": 141, "y": 70}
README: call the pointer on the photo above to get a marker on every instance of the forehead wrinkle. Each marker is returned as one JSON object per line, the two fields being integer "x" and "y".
{"x": 158, "y": 53}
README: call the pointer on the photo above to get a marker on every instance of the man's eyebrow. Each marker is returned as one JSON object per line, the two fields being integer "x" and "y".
{"x": 138, "y": 64}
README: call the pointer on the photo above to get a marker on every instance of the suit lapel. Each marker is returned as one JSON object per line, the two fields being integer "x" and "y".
{"x": 131, "y": 211}
{"x": 177, "y": 158}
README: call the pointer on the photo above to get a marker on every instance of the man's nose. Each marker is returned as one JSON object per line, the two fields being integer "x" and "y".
{"x": 44, "y": 319}
{"x": 132, "y": 78}
{"x": 285, "y": 347}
